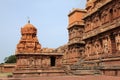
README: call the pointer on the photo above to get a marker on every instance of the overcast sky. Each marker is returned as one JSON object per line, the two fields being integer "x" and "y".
{"x": 48, "y": 16}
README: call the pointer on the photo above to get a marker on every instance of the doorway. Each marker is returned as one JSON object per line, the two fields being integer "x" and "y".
{"x": 52, "y": 61}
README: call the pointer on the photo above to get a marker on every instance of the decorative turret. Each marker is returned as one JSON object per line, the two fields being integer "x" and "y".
{"x": 94, "y": 4}
{"x": 29, "y": 42}
{"x": 76, "y": 25}
{"x": 75, "y": 30}
{"x": 89, "y": 4}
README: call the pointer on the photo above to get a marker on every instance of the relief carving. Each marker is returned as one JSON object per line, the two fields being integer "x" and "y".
{"x": 104, "y": 17}
{"x": 117, "y": 38}
{"x": 31, "y": 62}
{"x": 88, "y": 49}
{"x": 117, "y": 8}
{"x": 115, "y": 11}
{"x": 98, "y": 47}
{"x": 106, "y": 45}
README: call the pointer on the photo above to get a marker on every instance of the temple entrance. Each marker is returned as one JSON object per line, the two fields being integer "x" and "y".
{"x": 52, "y": 61}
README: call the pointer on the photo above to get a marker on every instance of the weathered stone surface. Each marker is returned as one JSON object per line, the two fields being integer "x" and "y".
{"x": 67, "y": 78}
{"x": 102, "y": 30}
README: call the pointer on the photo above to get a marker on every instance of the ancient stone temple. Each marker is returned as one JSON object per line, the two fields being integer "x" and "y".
{"x": 75, "y": 30}
{"x": 102, "y": 34}
{"x": 93, "y": 46}
{"x": 32, "y": 60}
{"x": 94, "y": 39}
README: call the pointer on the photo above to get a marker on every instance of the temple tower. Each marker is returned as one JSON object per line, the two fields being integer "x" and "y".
{"x": 28, "y": 48}
{"x": 28, "y": 42}
{"x": 75, "y": 30}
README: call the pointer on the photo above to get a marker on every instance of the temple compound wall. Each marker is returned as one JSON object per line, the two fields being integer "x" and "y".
{"x": 102, "y": 34}
{"x": 7, "y": 68}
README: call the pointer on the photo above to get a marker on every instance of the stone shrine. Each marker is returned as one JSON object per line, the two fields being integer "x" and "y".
{"x": 32, "y": 60}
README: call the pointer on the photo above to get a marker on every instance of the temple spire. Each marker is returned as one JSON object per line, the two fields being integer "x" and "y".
{"x": 28, "y": 19}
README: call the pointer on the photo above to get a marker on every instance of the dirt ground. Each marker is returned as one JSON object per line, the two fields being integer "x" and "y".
{"x": 67, "y": 78}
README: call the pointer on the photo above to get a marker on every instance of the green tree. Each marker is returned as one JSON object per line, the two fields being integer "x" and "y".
{"x": 10, "y": 59}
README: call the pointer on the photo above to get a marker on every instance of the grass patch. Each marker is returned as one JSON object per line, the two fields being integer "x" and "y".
{"x": 5, "y": 74}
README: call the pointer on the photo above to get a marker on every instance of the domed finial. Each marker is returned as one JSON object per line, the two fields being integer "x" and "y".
{"x": 28, "y": 19}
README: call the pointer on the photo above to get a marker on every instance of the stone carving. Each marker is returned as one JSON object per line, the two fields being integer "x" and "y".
{"x": 98, "y": 47}
{"x": 88, "y": 49}
{"x": 105, "y": 45}
{"x": 118, "y": 41}
{"x": 31, "y": 62}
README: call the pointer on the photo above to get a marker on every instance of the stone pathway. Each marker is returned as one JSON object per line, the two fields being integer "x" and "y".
{"x": 67, "y": 78}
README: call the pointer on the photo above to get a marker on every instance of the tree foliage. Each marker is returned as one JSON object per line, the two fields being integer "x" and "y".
{"x": 10, "y": 59}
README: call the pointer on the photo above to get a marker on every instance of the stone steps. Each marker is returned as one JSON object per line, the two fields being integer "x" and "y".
{"x": 86, "y": 72}
{"x": 39, "y": 72}
{"x": 83, "y": 67}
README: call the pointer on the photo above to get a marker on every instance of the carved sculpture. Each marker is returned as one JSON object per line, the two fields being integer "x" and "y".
{"x": 118, "y": 42}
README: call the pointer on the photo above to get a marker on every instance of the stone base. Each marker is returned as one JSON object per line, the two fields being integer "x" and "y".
{"x": 39, "y": 72}
{"x": 86, "y": 72}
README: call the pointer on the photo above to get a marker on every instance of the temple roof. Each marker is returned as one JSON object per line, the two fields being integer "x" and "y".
{"x": 28, "y": 25}
{"x": 28, "y": 42}
{"x": 28, "y": 29}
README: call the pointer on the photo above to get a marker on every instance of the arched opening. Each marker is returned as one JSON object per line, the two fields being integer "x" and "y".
{"x": 52, "y": 61}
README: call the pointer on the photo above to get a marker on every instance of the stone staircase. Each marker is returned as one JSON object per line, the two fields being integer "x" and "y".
{"x": 83, "y": 67}
{"x": 84, "y": 70}
{"x": 30, "y": 72}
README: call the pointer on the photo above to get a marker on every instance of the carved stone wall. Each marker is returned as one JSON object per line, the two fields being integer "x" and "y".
{"x": 102, "y": 45}
{"x": 75, "y": 52}
{"x": 94, "y": 4}
{"x": 102, "y": 29}
{"x": 117, "y": 39}
{"x": 75, "y": 34}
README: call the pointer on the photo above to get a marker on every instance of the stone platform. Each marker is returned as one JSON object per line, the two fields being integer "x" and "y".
{"x": 53, "y": 71}
{"x": 66, "y": 78}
